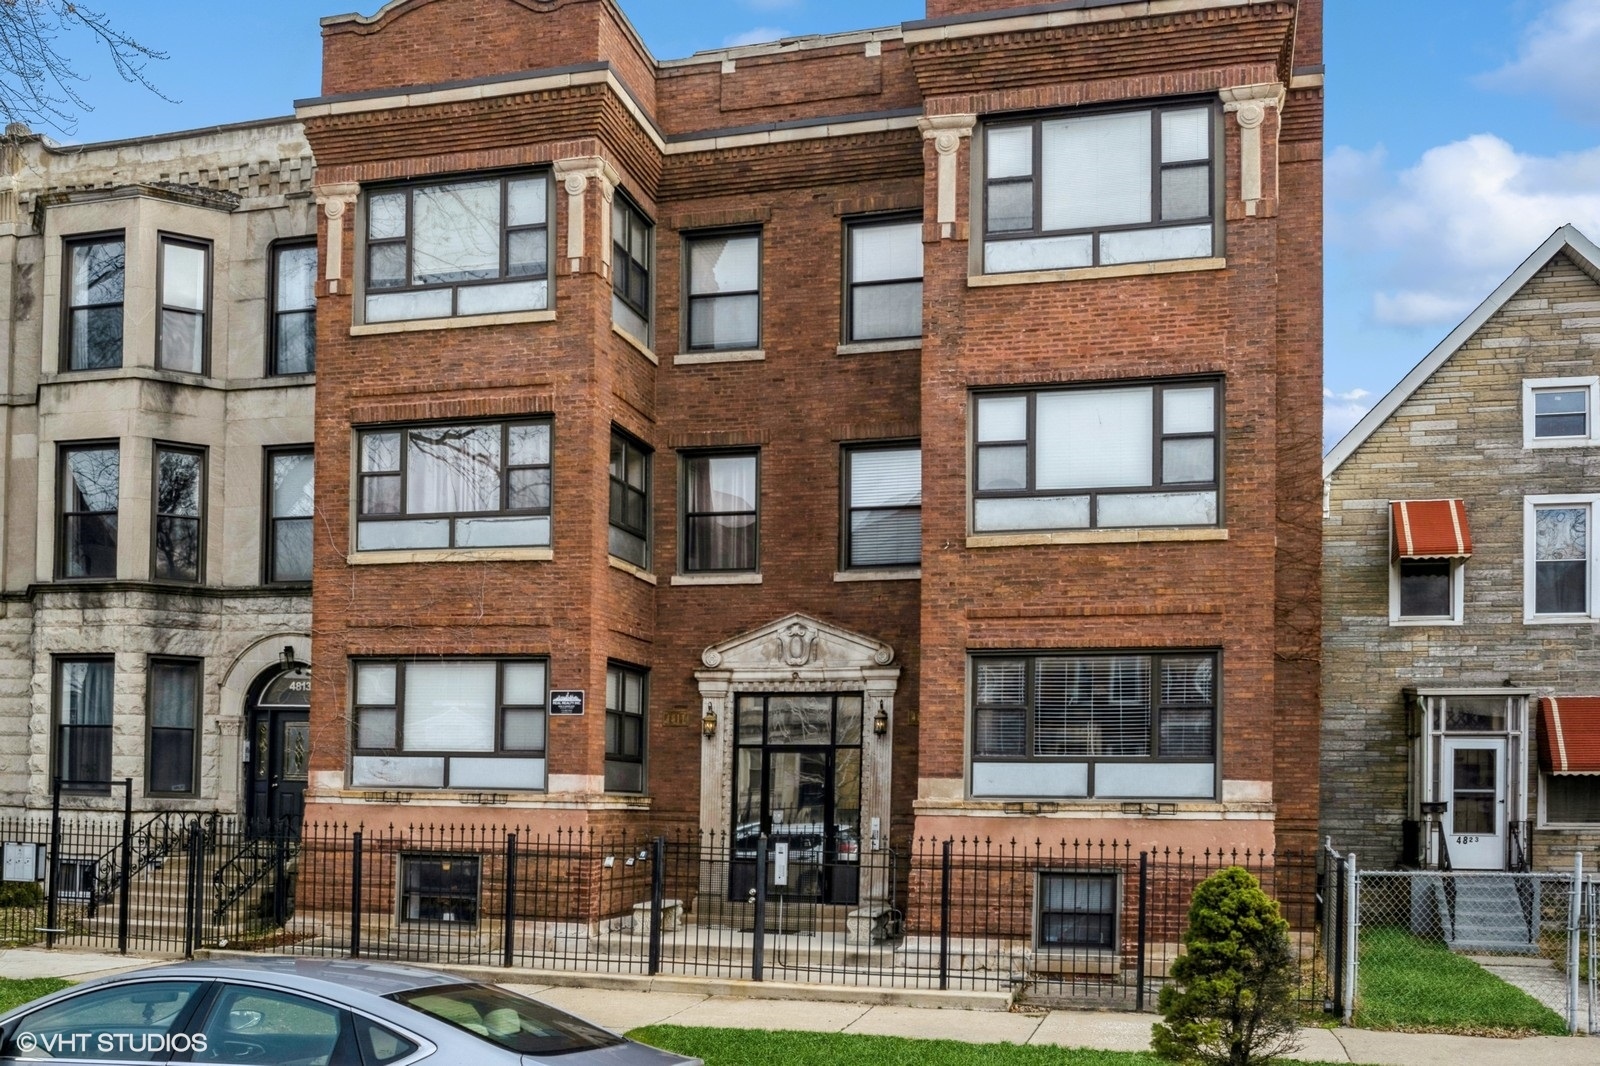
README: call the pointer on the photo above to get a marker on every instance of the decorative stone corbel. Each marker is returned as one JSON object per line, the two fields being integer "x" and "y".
{"x": 336, "y": 201}
{"x": 947, "y": 132}
{"x": 1249, "y": 104}
{"x": 574, "y": 175}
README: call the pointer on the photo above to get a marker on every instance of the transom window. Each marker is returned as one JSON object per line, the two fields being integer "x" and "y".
{"x": 629, "y": 535}
{"x": 625, "y": 728}
{"x": 1558, "y": 553}
{"x": 90, "y": 488}
{"x": 1100, "y": 188}
{"x": 473, "y": 247}
{"x": 885, "y": 264}
{"x": 1077, "y": 910}
{"x": 96, "y": 273}
{"x": 1560, "y": 412}
{"x": 1135, "y": 455}
{"x": 1090, "y": 725}
{"x": 480, "y": 485}
{"x": 883, "y": 493}
{"x": 724, "y": 282}
{"x": 720, "y": 512}
{"x": 293, "y": 347}
{"x": 182, "y": 339}
{"x": 631, "y": 238}
{"x": 471, "y": 723}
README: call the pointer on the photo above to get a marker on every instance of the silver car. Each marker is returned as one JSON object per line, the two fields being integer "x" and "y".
{"x": 307, "y": 1012}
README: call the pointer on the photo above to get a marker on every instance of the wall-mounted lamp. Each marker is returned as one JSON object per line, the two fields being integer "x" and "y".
{"x": 880, "y": 721}
{"x": 286, "y": 657}
{"x": 708, "y": 724}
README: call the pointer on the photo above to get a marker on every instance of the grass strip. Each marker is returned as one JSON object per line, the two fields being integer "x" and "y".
{"x": 15, "y": 992}
{"x": 740, "y": 1047}
{"x": 1407, "y": 983}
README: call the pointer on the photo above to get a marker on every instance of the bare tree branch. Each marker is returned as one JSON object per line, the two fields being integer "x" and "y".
{"x": 38, "y": 85}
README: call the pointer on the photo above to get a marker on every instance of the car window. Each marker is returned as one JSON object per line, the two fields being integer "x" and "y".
{"x": 253, "y": 1026}
{"x": 379, "y": 1046}
{"x": 135, "y": 1022}
{"x": 509, "y": 1020}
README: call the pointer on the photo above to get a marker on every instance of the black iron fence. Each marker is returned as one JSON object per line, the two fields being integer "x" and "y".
{"x": 1070, "y": 921}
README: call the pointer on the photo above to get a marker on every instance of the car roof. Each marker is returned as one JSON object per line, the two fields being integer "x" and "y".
{"x": 342, "y": 979}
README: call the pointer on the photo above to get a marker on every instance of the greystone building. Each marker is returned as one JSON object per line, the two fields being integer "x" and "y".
{"x": 158, "y": 349}
{"x": 1461, "y": 590}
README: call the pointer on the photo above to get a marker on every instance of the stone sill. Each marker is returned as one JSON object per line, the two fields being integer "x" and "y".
{"x": 450, "y": 555}
{"x": 1096, "y": 536}
{"x": 909, "y": 574}
{"x": 417, "y": 325}
{"x": 1185, "y": 810}
{"x": 1121, "y": 270}
{"x": 743, "y": 355}
{"x": 1416, "y": 623}
{"x": 628, "y": 568}
{"x": 1559, "y": 620}
{"x": 912, "y": 344}
{"x": 716, "y": 579}
{"x": 636, "y": 344}
{"x": 444, "y": 797}
{"x": 173, "y": 377}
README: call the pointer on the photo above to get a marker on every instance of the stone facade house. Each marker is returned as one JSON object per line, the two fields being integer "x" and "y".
{"x": 902, "y": 432}
{"x": 158, "y": 355}
{"x": 1461, "y": 625}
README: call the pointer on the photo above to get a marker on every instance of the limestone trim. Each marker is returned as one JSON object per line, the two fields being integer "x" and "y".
{"x": 419, "y": 325}
{"x": 451, "y": 555}
{"x": 1208, "y": 811}
{"x": 912, "y": 574}
{"x": 232, "y": 691}
{"x": 873, "y": 347}
{"x": 715, "y": 579}
{"x": 336, "y": 201}
{"x": 750, "y": 355}
{"x": 636, "y": 344}
{"x": 574, "y": 176}
{"x": 931, "y": 30}
{"x": 1119, "y": 270}
{"x": 1258, "y": 177}
{"x": 947, "y": 132}
{"x": 628, "y": 568}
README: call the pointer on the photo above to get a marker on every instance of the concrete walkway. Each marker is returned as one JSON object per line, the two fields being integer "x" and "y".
{"x": 625, "y": 1003}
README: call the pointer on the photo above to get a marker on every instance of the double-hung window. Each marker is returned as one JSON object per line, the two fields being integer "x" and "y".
{"x": 290, "y": 503}
{"x": 885, "y": 280}
{"x": 476, "y": 485}
{"x": 292, "y": 348}
{"x": 720, "y": 512}
{"x": 724, "y": 282}
{"x": 96, "y": 272}
{"x": 86, "y": 544}
{"x": 1559, "y": 558}
{"x": 625, "y": 728}
{"x": 883, "y": 506}
{"x": 83, "y": 699}
{"x": 1101, "y": 457}
{"x": 182, "y": 341}
{"x": 469, "y": 723}
{"x": 179, "y": 538}
{"x": 174, "y": 726}
{"x": 1098, "y": 725}
{"x": 1560, "y": 412}
{"x": 1101, "y": 188}
{"x": 477, "y": 246}
{"x": 631, "y": 239}
{"x": 629, "y": 533}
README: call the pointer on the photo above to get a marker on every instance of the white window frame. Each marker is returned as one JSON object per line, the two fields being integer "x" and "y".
{"x": 1531, "y": 504}
{"x": 1544, "y": 821}
{"x": 1530, "y": 386}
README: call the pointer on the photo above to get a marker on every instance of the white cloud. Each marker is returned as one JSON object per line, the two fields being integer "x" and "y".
{"x": 1341, "y": 411}
{"x": 1557, "y": 59}
{"x": 759, "y": 35}
{"x": 1444, "y": 233}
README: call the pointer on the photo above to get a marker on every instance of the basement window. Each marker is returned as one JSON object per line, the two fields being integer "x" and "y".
{"x": 439, "y": 888}
{"x": 1077, "y": 910}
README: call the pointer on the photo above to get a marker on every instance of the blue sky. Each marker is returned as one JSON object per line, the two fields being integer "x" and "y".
{"x": 1460, "y": 133}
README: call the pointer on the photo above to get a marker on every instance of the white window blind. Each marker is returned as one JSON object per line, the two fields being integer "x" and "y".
{"x": 1096, "y": 171}
{"x": 450, "y": 707}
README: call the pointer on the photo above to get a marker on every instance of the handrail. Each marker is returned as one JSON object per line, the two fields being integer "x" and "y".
{"x": 150, "y": 844}
{"x": 265, "y": 855}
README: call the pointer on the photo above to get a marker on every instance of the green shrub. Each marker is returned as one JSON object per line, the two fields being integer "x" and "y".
{"x": 21, "y": 894}
{"x": 1232, "y": 1000}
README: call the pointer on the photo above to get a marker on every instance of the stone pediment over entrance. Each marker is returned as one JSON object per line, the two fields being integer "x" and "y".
{"x": 798, "y": 648}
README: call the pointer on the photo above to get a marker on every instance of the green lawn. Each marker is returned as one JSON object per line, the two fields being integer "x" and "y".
{"x": 15, "y": 993}
{"x": 1413, "y": 984}
{"x": 740, "y": 1047}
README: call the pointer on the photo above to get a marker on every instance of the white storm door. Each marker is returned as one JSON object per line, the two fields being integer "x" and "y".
{"x": 1474, "y": 781}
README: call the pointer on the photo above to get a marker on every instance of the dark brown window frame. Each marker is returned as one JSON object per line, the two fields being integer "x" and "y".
{"x": 398, "y": 708}
{"x": 690, "y": 298}
{"x": 685, "y": 459}
{"x": 502, "y": 275}
{"x": 64, "y": 362}
{"x": 1155, "y": 109}
{"x": 851, "y": 227}
{"x": 1113, "y": 914}
{"x": 847, "y": 511}
{"x": 205, "y": 314}
{"x": 63, "y": 493}
{"x": 275, "y": 316}
{"x": 196, "y": 732}
{"x": 57, "y": 738}
{"x": 621, "y": 490}
{"x": 506, "y": 466}
{"x": 1157, "y": 484}
{"x": 631, "y": 280}
{"x": 618, "y": 753}
{"x": 156, "y": 515}
{"x": 270, "y": 519}
{"x": 1029, "y": 707}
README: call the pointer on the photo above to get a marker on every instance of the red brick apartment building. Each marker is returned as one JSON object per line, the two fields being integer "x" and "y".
{"x": 905, "y": 432}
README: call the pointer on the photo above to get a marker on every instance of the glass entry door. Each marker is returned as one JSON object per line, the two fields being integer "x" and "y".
{"x": 797, "y": 778}
{"x": 1474, "y": 780}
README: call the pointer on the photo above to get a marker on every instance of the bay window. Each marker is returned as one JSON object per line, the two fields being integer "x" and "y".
{"x": 90, "y": 479}
{"x": 629, "y": 479}
{"x": 293, "y": 345}
{"x": 96, "y": 270}
{"x": 291, "y": 500}
{"x": 179, "y": 541}
{"x": 625, "y": 728}
{"x": 631, "y": 238}
{"x": 182, "y": 333}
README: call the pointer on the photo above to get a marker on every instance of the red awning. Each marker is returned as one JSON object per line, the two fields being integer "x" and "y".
{"x": 1431, "y": 529}
{"x": 1569, "y": 734}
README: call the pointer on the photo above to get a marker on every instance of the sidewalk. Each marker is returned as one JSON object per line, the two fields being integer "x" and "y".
{"x": 628, "y": 1002}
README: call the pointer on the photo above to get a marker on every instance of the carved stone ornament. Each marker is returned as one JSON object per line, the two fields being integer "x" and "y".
{"x": 712, "y": 658}
{"x": 575, "y": 184}
{"x": 798, "y": 643}
{"x": 1251, "y": 115}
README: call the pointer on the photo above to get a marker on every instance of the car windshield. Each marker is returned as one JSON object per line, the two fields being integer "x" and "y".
{"x": 507, "y": 1019}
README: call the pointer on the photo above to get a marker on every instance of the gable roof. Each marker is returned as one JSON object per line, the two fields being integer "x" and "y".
{"x": 1567, "y": 239}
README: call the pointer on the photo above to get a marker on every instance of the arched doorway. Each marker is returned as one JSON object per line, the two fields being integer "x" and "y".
{"x": 278, "y": 754}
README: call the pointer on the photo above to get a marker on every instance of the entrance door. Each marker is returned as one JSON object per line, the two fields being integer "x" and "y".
{"x": 798, "y": 780}
{"x": 1473, "y": 778}
{"x": 280, "y": 752}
